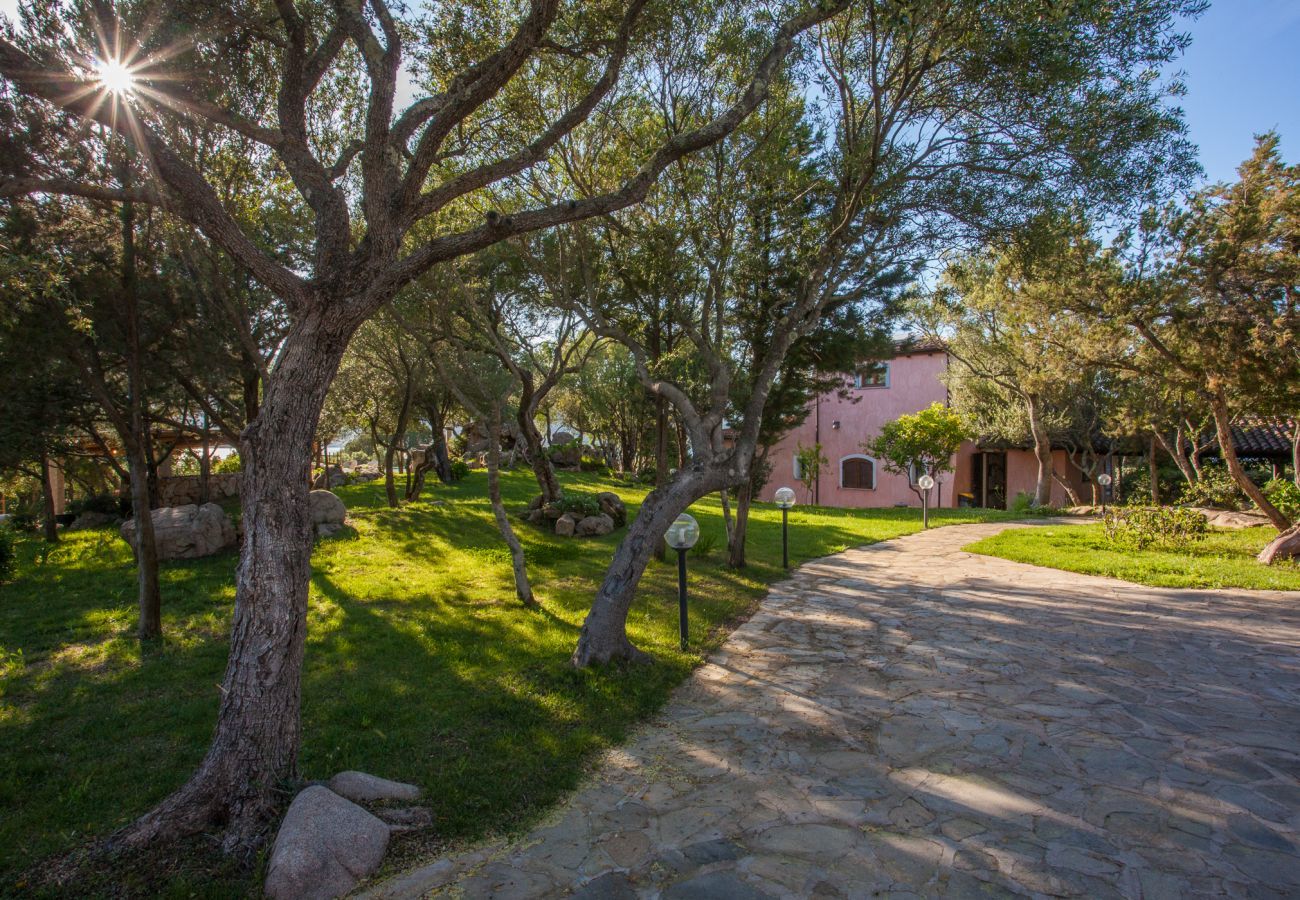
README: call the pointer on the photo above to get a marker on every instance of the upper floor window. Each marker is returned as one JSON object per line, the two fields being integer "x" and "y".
{"x": 872, "y": 375}
{"x": 858, "y": 472}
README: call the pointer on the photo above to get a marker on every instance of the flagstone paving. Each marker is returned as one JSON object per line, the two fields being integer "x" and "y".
{"x": 909, "y": 720}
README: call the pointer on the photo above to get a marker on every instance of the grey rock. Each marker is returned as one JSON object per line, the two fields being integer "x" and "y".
{"x": 612, "y": 506}
{"x": 565, "y": 525}
{"x": 594, "y": 526}
{"x": 326, "y": 845}
{"x": 610, "y": 886}
{"x": 187, "y": 532}
{"x": 364, "y": 787}
{"x": 328, "y": 514}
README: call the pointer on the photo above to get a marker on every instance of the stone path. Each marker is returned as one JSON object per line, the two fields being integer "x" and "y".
{"x": 910, "y": 720}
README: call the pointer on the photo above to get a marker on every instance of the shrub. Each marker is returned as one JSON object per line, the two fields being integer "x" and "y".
{"x": 1283, "y": 493}
{"x": 7, "y": 560}
{"x": 581, "y": 505}
{"x": 229, "y": 465}
{"x": 1140, "y": 527}
{"x": 646, "y": 475}
{"x": 706, "y": 544}
{"x": 1216, "y": 488}
{"x": 459, "y": 469}
{"x": 593, "y": 464}
{"x": 24, "y": 521}
{"x": 100, "y": 503}
{"x": 1023, "y": 504}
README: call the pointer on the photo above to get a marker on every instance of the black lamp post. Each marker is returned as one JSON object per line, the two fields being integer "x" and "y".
{"x": 785, "y": 500}
{"x": 681, "y": 536}
{"x": 1104, "y": 480}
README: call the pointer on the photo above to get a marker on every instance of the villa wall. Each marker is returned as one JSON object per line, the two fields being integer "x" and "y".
{"x": 843, "y": 424}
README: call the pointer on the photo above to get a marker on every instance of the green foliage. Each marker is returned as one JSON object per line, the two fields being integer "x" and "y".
{"x": 229, "y": 465}
{"x": 811, "y": 462}
{"x": 1283, "y": 493}
{"x": 593, "y": 464}
{"x": 581, "y": 505}
{"x": 925, "y": 440}
{"x": 99, "y": 503}
{"x": 705, "y": 545}
{"x": 1223, "y": 559}
{"x": 7, "y": 559}
{"x": 458, "y": 469}
{"x": 1023, "y": 505}
{"x": 24, "y": 521}
{"x": 1141, "y": 527}
{"x": 1216, "y": 488}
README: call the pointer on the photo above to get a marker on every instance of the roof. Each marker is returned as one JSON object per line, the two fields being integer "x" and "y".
{"x": 1261, "y": 436}
{"x": 912, "y": 346}
{"x": 1252, "y": 436}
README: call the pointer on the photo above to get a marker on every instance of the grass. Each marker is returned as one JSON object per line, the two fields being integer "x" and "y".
{"x": 420, "y": 666}
{"x": 1224, "y": 559}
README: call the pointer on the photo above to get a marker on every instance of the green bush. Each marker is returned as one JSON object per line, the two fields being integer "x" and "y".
{"x": 593, "y": 464}
{"x": 706, "y": 544}
{"x": 24, "y": 521}
{"x": 7, "y": 559}
{"x": 459, "y": 469}
{"x": 1140, "y": 527}
{"x": 1216, "y": 488}
{"x": 100, "y": 503}
{"x": 229, "y": 465}
{"x": 1023, "y": 504}
{"x": 581, "y": 505}
{"x": 1283, "y": 493}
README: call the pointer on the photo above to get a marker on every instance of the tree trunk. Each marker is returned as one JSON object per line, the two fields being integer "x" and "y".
{"x": 205, "y": 468}
{"x": 724, "y": 498}
{"x": 1070, "y": 492}
{"x": 604, "y": 633}
{"x": 1153, "y": 471}
{"x": 49, "y": 524}
{"x": 1223, "y": 430}
{"x": 1178, "y": 453}
{"x": 538, "y": 458}
{"x": 255, "y": 744}
{"x": 1042, "y": 452}
{"x": 1295, "y": 451}
{"x": 523, "y": 590}
{"x": 736, "y": 552}
{"x": 1285, "y": 546}
{"x": 661, "y": 465}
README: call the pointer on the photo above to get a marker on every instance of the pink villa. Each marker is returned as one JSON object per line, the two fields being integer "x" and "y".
{"x": 879, "y": 393}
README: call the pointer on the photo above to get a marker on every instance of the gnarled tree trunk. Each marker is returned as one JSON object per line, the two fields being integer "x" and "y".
{"x": 523, "y": 590}
{"x": 1042, "y": 452}
{"x": 49, "y": 524}
{"x": 1223, "y": 430}
{"x": 736, "y": 552}
{"x": 604, "y": 633}
{"x": 255, "y": 744}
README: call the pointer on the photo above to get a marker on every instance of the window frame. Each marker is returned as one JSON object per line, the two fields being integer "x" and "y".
{"x": 875, "y": 472}
{"x": 886, "y": 371}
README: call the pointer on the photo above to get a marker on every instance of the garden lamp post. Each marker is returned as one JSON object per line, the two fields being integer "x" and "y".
{"x": 785, "y": 500}
{"x": 926, "y": 484}
{"x": 1104, "y": 480}
{"x": 681, "y": 536}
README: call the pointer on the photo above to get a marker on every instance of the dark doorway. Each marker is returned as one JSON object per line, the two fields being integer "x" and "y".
{"x": 989, "y": 479}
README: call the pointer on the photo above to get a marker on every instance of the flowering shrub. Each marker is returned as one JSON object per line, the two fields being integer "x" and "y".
{"x": 1140, "y": 527}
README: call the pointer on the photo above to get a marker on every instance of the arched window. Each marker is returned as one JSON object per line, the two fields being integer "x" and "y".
{"x": 858, "y": 472}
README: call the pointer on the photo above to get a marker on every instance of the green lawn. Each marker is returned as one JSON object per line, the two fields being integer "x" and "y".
{"x": 1224, "y": 559}
{"x": 420, "y": 666}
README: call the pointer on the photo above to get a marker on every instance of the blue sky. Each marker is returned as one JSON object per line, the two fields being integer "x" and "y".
{"x": 1243, "y": 77}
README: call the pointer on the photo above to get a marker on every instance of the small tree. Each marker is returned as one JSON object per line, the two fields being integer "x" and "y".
{"x": 811, "y": 461}
{"x": 923, "y": 442}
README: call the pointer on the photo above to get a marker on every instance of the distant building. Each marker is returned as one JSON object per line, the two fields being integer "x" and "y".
{"x": 879, "y": 393}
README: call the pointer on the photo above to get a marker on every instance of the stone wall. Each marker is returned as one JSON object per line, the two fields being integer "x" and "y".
{"x": 179, "y": 490}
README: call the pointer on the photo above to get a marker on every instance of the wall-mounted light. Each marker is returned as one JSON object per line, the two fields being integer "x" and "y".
{"x": 835, "y": 426}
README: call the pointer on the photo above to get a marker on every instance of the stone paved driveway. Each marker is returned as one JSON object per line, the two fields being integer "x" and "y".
{"x": 910, "y": 720}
